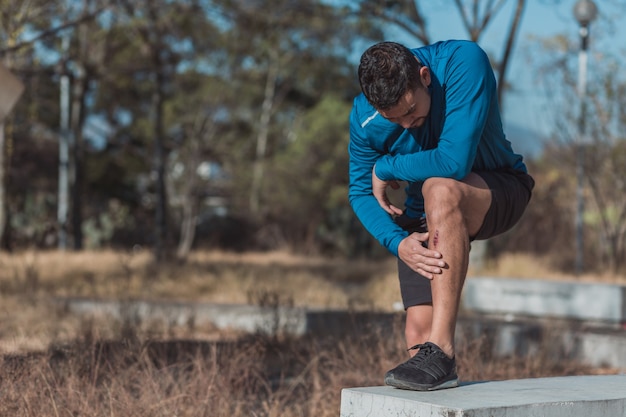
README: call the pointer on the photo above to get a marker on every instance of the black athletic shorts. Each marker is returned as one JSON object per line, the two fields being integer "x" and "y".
{"x": 510, "y": 194}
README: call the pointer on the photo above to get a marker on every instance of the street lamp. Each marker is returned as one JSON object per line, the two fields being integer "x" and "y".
{"x": 585, "y": 12}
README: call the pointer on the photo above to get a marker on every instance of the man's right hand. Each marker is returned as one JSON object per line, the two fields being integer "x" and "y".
{"x": 422, "y": 260}
{"x": 379, "y": 189}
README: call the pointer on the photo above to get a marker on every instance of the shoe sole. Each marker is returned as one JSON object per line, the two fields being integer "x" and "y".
{"x": 452, "y": 383}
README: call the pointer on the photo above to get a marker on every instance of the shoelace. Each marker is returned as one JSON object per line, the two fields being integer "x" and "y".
{"x": 424, "y": 351}
{"x": 420, "y": 346}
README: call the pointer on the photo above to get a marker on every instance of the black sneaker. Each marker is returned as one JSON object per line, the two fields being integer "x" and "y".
{"x": 430, "y": 369}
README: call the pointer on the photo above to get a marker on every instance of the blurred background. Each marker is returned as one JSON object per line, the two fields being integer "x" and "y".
{"x": 181, "y": 125}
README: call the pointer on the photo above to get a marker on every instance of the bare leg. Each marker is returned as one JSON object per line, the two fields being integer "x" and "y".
{"x": 455, "y": 211}
{"x": 418, "y": 325}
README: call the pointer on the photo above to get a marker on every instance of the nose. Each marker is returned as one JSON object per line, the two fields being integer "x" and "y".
{"x": 406, "y": 123}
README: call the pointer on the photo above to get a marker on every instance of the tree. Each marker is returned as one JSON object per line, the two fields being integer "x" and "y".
{"x": 161, "y": 28}
{"x": 202, "y": 141}
{"x": 309, "y": 180}
{"x": 605, "y": 162}
{"x": 193, "y": 83}
{"x": 604, "y": 144}
{"x": 85, "y": 65}
{"x": 14, "y": 19}
{"x": 35, "y": 16}
{"x": 280, "y": 47}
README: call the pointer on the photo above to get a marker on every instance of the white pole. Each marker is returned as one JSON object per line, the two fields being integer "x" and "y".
{"x": 580, "y": 150}
{"x": 63, "y": 203}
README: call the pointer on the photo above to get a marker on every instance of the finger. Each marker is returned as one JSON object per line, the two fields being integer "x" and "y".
{"x": 395, "y": 210}
{"x": 433, "y": 270}
{"x": 425, "y": 274}
{"x": 432, "y": 257}
{"x": 385, "y": 205}
{"x": 383, "y": 201}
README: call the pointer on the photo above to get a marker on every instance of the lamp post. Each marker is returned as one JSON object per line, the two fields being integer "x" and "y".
{"x": 585, "y": 12}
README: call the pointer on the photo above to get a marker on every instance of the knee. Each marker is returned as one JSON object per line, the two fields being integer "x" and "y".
{"x": 442, "y": 197}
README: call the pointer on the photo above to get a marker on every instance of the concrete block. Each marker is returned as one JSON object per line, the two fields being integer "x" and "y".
{"x": 532, "y": 297}
{"x": 574, "y": 396}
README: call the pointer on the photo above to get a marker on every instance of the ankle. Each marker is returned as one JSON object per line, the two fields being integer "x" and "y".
{"x": 447, "y": 348}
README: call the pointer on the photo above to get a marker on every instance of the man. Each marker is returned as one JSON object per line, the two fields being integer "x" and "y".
{"x": 430, "y": 116}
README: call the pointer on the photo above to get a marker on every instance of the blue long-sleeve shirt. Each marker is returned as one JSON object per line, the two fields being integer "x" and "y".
{"x": 462, "y": 133}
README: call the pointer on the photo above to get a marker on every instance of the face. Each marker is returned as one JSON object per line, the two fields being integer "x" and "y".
{"x": 413, "y": 108}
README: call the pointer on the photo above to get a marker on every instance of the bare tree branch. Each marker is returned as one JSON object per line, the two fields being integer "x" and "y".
{"x": 508, "y": 48}
{"x": 52, "y": 31}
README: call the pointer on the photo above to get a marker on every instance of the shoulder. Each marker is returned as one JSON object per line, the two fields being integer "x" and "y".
{"x": 450, "y": 47}
{"x": 362, "y": 112}
{"x": 368, "y": 126}
{"x": 441, "y": 54}
{"x": 365, "y": 117}
{"x": 456, "y": 61}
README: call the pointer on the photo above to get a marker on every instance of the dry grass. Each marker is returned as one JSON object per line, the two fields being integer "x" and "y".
{"x": 255, "y": 376}
{"x": 56, "y": 364}
{"x": 29, "y": 281}
{"x": 211, "y": 276}
{"x": 527, "y": 266}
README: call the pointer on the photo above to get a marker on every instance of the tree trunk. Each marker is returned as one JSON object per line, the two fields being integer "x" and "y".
{"x": 187, "y": 228}
{"x": 3, "y": 211}
{"x": 159, "y": 167}
{"x": 264, "y": 124}
{"x": 190, "y": 204}
{"x": 80, "y": 89}
{"x": 12, "y": 90}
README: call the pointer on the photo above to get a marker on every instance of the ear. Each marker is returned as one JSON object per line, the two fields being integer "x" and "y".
{"x": 425, "y": 76}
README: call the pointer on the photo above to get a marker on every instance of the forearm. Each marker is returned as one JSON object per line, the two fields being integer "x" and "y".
{"x": 422, "y": 165}
{"x": 377, "y": 222}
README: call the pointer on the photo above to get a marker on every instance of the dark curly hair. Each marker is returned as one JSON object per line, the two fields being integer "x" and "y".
{"x": 386, "y": 72}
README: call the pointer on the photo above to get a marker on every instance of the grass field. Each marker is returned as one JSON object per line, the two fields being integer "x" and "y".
{"x": 29, "y": 281}
{"x": 57, "y": 364}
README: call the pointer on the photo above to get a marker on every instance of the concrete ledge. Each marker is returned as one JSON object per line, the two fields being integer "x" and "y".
{"x": 593, "y": 346}
{"x": 295, "y": 321}
{"x": 575, "y": 396}
{"x": 550, "y": 338}
{"x": 542, "y": 298}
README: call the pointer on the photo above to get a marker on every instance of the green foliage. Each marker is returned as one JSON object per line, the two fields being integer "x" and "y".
{"x": 309, "y": 178}
{"x": 314, "y": 163}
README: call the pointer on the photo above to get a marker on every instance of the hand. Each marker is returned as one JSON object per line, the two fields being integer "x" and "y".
{"x": 379, "y": 189}
{"x": 420, "y": 259}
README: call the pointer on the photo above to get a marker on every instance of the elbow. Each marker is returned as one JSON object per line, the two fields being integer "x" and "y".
{"x": 451, "y": 166}
{"x": 457, "y": 171}
{"x": 461, "y": 174}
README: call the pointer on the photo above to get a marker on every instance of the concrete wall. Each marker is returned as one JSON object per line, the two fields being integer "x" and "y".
{"x": 541, "y": 298}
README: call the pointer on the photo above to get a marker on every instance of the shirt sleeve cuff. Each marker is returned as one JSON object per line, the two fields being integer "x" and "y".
{"x": 382, "y": 169}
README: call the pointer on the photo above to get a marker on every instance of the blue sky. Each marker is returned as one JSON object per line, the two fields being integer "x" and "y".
{"x": 526, "y": 107}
